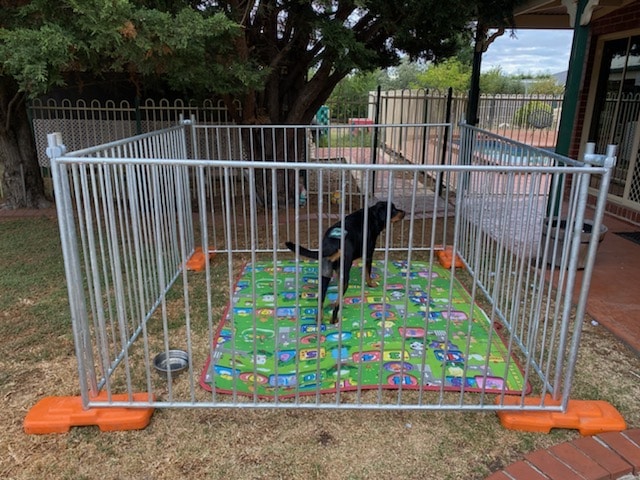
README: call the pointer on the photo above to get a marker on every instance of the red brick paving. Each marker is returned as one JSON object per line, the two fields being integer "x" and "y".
{"x": 581, "y": 463}
{"x": 499, "y": 476}
{"x": 606, "y": 456}
{"x": 552, "y": 467}
{"x": 627, "y": 449}
{"x": 523, "y": 470}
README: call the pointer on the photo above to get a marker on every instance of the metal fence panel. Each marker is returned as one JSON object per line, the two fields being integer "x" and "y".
{"x": 246, "y": 316}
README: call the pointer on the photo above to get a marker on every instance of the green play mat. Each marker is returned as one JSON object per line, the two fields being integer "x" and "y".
{"x": 421, "y": 331}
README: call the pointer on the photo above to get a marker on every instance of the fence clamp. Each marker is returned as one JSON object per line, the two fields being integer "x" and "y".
{"x": 55, "y": 146}
{"x": 608, "y": 160}
{"x": 611, "y": 159}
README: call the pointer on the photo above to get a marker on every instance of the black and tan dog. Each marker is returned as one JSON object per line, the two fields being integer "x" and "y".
{"x": 355, "y": 237}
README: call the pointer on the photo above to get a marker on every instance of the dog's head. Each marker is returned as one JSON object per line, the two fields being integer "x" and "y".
{"x": 381, "y": 209}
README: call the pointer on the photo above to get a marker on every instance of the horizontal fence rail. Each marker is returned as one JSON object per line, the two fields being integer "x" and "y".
{"x": 176, "y": 241}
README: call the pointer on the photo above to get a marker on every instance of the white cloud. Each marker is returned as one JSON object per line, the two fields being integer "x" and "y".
{"x": 530, "y": 51}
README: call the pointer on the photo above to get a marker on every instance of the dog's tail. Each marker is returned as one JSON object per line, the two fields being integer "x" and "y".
{"x": 303, "y": 251}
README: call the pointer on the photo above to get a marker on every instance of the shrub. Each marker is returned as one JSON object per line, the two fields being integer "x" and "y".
{"x": 534, "y": 114}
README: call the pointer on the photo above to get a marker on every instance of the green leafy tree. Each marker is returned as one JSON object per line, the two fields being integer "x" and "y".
{"x": 287, "y": 38}
{"x": 350, "y": 98}
{"x": 496, "y": 82}
{"x": 402, "y": 77}
{"x": 259, "y": 52}
{"x": 46, "y": 44}
{"x": 546, "y": 85}
{"x": 449, "y": 73}
{"x": 535, "y": 114}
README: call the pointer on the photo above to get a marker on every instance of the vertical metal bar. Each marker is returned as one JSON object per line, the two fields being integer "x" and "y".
{"x": 609, "y": 164}
{"x": 160, "y": 265}
{"x": 118, "y": 281}
{"x": 253, "y": 237}
{"x": 374, "y": 154}
{"x": 572, "y": 267}
{"x": 73, "y": 274}
{"x": 133, "y": 184}
{"x": 85, "y": 187}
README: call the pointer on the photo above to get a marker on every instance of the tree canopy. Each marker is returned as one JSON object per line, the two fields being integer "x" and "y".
{"x": 45, "y": 44}
{"x": 259, "y": 52}
{"x": 450, "y": 73}
{"x": 331, "y": 39}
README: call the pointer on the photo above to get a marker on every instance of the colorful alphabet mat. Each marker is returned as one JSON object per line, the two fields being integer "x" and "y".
{"x": 417, "y": 335}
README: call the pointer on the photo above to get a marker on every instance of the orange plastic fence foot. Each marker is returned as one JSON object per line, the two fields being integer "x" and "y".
{"x": 198, "y": 260}
{"x": 589, "y": 417}
{"x": 447, "y": 257}
{"x": 59, "y": 414}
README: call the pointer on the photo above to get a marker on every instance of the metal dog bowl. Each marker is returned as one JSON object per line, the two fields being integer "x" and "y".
{"x": 175, "y": 362}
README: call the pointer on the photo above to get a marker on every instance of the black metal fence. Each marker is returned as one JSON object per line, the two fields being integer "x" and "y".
{"x": 528, "y": 118}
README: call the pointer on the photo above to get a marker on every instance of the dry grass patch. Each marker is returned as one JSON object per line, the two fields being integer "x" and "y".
{"x": 37, "y": 359}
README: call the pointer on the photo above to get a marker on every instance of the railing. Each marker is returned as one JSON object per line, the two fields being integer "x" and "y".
{"x": 247, "y": 318}
{"x": 528, "y": 118}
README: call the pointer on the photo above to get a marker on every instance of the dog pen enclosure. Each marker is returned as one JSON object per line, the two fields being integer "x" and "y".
{"x": 173, "y": 241}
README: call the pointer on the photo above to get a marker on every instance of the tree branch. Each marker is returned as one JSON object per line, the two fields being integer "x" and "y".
{"x": 13, "y": 103}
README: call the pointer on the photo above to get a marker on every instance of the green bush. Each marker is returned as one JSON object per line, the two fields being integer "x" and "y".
{"x": 534, "y": 114}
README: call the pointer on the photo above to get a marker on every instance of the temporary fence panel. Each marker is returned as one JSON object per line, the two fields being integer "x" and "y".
{"x": 172, "y": 243}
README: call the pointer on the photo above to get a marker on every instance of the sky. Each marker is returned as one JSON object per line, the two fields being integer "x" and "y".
{"x": 530, "y": 51}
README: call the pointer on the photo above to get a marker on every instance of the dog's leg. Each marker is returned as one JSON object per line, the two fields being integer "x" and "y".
{"x": 337, "y": 307}
{"x": 367, "y": 271}
{"x": 324, "y": 285}
{"x": 327, "y": 265}
{"x": 337, "y": 314}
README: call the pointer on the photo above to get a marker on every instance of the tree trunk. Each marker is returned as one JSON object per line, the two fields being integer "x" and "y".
{"x": 22, "y": 182}
{"x": 268, "y": 144}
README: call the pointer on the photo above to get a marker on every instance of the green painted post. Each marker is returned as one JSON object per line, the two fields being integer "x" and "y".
{"x": 572, "y": 89}
{"x": 571, "y": 97}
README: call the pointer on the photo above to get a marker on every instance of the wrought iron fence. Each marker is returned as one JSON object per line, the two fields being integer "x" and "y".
{"x": 528, "y": 118}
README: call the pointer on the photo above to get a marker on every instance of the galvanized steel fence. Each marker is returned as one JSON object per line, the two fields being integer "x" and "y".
{"x": 135, "y": 213}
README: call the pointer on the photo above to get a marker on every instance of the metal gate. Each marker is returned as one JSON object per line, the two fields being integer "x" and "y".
{"x": 174, "y": 245}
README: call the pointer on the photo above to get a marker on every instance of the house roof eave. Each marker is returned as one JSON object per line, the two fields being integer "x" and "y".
{"x": 560, "y": 14}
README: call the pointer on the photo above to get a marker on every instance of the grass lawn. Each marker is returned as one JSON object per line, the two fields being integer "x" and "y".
{"x": 37, "y": 359}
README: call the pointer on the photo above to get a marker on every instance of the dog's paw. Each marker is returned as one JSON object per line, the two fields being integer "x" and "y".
{"x": 373, "y": 284}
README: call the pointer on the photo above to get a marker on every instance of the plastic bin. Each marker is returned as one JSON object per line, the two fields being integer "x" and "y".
{"x": 558, "y": 231}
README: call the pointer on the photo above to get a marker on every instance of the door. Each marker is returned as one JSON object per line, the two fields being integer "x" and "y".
{"x": 616, "y": 115}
